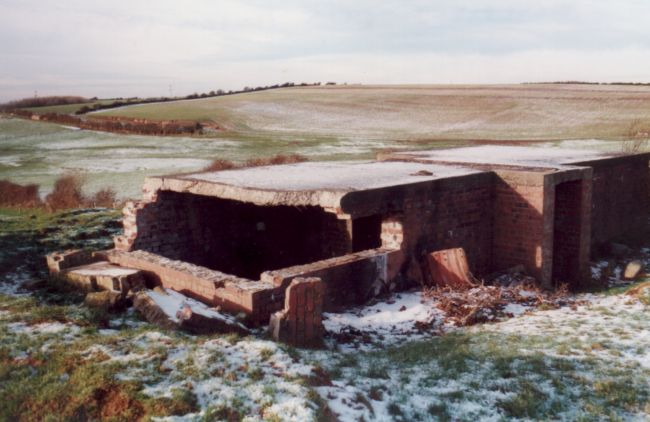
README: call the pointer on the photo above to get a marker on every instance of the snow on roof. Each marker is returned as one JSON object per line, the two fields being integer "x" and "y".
{"x": 510, "y": 155}
{"x": 335, "y": 176}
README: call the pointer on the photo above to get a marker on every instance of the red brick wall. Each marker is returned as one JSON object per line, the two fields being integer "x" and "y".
{"x": 451, "y": 213}
{"x": 349, "y": 279}
{"x": 256, "y": 299}
{"x": 518, "y": 221}
{"x": 160, "y": 227}
{"x": 619, "y": 199}
{"x": 301, "y": 321}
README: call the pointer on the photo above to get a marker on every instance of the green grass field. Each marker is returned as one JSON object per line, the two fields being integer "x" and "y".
{"x": 416, "y": 113}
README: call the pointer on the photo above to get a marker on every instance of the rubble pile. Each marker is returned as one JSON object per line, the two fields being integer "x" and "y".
{"x": 622, "y": 267}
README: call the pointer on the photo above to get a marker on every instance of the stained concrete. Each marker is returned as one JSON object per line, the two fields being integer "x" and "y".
{"x": 548, "y": 157}
{"x": 304, "y": 184}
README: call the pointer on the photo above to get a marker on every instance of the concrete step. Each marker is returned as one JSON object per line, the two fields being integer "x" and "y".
{"x": 104, "y": 276}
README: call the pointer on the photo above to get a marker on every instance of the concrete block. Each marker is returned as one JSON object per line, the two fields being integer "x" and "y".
{"x": 632, "y": 270}
{"x": 59, "y": 261}
{"x": 104, "y": 276}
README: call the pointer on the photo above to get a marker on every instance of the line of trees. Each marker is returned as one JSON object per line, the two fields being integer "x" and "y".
{"x": 47, "y": 101}
{"x": 218, "y": 93}
{"x": 121, "y": 102}
{"x": 117, "y": 124}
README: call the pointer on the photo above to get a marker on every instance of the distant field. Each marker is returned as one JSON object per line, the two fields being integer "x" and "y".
{"x": 38, "y": 152}
{"x": 412, "y": 113}
{"x": 324, "y": 123}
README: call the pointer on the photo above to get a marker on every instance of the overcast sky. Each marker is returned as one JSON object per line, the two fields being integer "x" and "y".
{"x": 141, "y": 48}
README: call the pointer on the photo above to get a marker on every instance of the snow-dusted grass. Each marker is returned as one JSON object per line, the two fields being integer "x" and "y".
{"x": 563, "y": 364}
{"x": 164, "y": 374}
{"x": 35, "y": 152}
{"x": 251, "y": 378}
{"x": 59, "y": 358}
{"x": 404, "y": 317}
{"x": 566, "y": 364}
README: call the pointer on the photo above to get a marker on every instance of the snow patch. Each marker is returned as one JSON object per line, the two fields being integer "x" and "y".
{"x": 42, "y": 328}
{"x": 389, "y": 321}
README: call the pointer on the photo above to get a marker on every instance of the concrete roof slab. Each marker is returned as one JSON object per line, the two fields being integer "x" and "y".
{"x": 550, "y": 157}
{"x": 332, "y": 176}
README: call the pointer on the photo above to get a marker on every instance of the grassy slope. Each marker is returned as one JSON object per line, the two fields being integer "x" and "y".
{"x": 513, "y": 112}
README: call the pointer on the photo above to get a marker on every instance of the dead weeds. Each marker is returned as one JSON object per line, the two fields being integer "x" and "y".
{"x": 483, "y": 303}
{"x": 220, "y": 165}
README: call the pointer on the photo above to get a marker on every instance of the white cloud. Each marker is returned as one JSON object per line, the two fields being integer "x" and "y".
{"x": 139, "y": 47}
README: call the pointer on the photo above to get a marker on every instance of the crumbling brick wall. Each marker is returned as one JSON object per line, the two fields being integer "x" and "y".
{"x": 160, "y": 226}
{"x": 350, "y": 279}
{"x": 300, "y": 323}
{"x": 230, "y": 236}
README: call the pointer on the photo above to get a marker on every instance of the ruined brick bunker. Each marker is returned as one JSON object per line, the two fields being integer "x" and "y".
{"x": 237, "y": 238}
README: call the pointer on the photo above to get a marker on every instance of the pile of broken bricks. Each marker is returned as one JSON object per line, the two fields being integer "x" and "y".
{"x": 114, "y": 288}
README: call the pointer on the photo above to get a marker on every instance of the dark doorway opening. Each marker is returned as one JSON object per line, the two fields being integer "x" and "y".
{"x": 244, "y": 239}
{"x": 366, "y": 233}
{"x": 567, "y": 232}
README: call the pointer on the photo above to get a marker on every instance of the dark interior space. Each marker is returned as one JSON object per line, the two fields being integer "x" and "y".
{"x": 566, "y": 233}
{"x": 245, "y": 239}
{"x": 366, "y": 233}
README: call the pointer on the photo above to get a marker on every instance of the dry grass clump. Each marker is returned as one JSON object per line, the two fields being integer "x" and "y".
{"x": 641, "y": 292}
{"x": 275, "y": 160}
{"x": 67, "y": 194}
{"x": 631, "y": 146}
{"x": 638, "y": 135}
{"x": 219, "y": 164}
{"x": 15, "y": 195}
{"x": 486, "y": 303}
{"x": 105, "y": 197}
